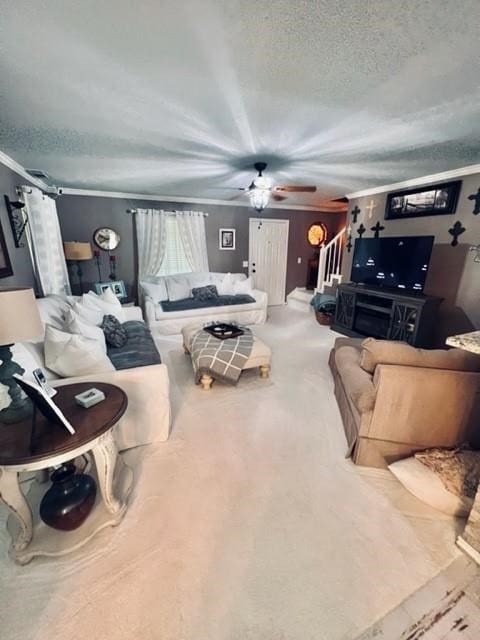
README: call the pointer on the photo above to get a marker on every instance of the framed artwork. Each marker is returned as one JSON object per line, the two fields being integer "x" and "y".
{"x": 226, "y": 239}
{"x": 117, "y": 286}
{"x": 5, "y": 264}
{"x": 434, "y": 200}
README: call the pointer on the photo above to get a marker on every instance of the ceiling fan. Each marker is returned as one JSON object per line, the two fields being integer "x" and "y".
{"x": 261, "y": 189}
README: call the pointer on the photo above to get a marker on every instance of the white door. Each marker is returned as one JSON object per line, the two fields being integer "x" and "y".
{"x": 267, "y": 259}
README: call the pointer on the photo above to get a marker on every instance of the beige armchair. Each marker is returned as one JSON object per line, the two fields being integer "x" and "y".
{"x": 395, "y": 399}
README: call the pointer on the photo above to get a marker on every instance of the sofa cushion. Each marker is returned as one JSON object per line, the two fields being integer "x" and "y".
{"x": 193, "y": 303}
{"x": 178, "y": 287}
{"x": 358, "y": 384}
{"x": 390, "y": 352}
{"x": 155, "y": 287}
{"x": 106, "y": 305}
{"x": 75, "y": 323}
{"x": 209, "y": 292}
{"x": 114, "y": 333}
{"x": 72, "y": 355}
{"x": 53, "y": 308}
{"x": 243, "y": 286}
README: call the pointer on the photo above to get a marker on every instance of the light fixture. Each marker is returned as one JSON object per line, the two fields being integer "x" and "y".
{"x": 19, "y": 321}
{"x": 259, "y": 198}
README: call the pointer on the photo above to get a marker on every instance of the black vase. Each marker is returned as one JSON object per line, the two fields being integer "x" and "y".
{"x": 69, "y": 500}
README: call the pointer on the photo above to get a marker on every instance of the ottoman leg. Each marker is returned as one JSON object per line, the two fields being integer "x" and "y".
{"x": 206, "y": 382}
{"x": 264, "y": 370}
{"x": 185, "y": 350}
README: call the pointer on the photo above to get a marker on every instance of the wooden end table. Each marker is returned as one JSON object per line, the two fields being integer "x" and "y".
{"x": 54, "y": 445}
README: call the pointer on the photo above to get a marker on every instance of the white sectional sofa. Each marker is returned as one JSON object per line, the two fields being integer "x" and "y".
{"x": 148, "y": 416}
{"x": 158, "y": 289}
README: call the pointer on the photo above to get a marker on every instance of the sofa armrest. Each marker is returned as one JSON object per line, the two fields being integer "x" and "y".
{"x": 422, "y": 406}
{"x": 149, "y": 308}
{"x": 133, "y": 313}
{"x": 261, "y": 297}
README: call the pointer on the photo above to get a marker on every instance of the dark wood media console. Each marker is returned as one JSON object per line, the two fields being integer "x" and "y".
{"x": 364, "y": 311}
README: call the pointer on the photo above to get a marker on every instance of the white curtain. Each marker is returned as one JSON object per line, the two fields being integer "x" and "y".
{"x": 151, "y": 241}
{"x": 191, "y": 225}
{"x": 46, "y": 242}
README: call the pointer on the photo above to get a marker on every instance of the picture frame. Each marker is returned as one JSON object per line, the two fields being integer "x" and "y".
{"x": 5, "y": 263}
{"x": 226, "y": 239}
{"x": 117, "y": 286}
{"x": 432, "y": 200}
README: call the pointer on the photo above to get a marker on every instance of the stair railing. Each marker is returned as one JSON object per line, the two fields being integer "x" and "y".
{"x": 330, "y": 262}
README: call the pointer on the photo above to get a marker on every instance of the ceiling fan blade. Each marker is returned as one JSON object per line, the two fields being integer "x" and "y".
{"x": 295, "y": 188}
{"x": 278, "y": 198}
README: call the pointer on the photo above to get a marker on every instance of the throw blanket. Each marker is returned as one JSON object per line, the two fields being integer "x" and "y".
{"x": 195, "y": 303}
{"x": 221, "y": 359}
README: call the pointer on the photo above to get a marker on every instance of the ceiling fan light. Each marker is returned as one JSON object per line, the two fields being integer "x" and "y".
{"x": 261, "y": 182}
{"x": 259, "y": 198}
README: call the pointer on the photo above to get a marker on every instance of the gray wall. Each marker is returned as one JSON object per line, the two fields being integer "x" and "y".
{"x": 20, "y": 258}
{"x": 453, "y": 274}
{"x": 81, "y": 215}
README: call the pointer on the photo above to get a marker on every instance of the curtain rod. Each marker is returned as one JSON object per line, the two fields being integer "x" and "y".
{"x": 169, "y": 213}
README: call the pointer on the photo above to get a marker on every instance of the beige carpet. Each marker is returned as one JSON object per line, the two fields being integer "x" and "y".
{"x": 248, "y": 524}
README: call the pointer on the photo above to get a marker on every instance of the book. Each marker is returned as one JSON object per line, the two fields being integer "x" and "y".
{"x": 43, "y": 402}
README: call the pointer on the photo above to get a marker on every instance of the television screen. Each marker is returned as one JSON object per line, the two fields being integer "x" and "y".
{"x": 400, "y": 263}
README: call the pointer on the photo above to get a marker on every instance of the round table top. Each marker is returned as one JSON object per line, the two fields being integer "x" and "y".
{"x": 51, "y": 439}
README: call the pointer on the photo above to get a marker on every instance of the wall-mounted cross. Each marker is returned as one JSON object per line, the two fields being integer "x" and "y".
{"x": 376, "y": 229}
{"x": 476, "y": 198}
{"x": 349, "y": 244}
{"x": 361, "y": 230}
{"x": 456, "y": 231}
{"x": 355, "y": 213}
{"x": 369, "y": 209}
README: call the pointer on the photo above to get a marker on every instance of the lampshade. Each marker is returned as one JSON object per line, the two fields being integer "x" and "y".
{"x": 77, "y": 250}
{"x": 19, "y": 316}
{"x": 259, "y": 198}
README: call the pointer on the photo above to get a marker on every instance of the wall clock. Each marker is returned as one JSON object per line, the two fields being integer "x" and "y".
{"x": 106, "y": 238}
{"x": 317, "y": 234}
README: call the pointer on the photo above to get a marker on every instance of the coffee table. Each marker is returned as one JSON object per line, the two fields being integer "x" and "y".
{"x": 53, "y": 445}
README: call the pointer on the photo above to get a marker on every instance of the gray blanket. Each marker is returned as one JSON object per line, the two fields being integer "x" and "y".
{"x": 221, "y": 359}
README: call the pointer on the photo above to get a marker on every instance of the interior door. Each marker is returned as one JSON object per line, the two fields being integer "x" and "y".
{"x": 267, "y": 259}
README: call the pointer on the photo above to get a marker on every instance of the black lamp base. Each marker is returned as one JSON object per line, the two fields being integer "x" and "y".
{"x": 20, "y": 407}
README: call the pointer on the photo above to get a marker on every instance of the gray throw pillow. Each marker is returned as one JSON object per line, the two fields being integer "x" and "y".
{"x": 205, "y": 293}
{"x": 115, "y": 334}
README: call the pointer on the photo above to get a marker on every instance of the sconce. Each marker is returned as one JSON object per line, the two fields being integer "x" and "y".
{"x": 476, "y": 248}
{"x": 18, "y": 219}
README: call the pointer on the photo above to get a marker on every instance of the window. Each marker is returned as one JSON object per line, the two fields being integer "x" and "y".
{"x": 175, "y": 260}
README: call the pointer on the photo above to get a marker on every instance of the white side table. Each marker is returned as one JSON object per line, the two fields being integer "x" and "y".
{"x": 53, "y": 446}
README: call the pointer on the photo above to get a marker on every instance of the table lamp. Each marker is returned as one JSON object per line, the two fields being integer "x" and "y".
{"x": 19, "y": 321}
{"x": 78, "y": 252}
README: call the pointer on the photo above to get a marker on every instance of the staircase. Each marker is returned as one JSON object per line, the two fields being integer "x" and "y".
{"x": 299, "y": 299}
{"x": 330, "y": 264}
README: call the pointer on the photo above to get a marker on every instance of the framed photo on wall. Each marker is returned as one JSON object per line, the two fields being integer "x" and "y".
{"x": 226, "y": 239}
{"x": 434, "y": 200}
{"x": 117, "y": 286}
{"x": 5, "y": 264}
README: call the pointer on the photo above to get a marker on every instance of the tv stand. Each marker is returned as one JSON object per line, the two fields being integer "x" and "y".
{"x": 388, "y": 314}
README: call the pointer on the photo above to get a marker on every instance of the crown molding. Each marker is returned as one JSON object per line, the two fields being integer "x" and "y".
{"x": 326, "y": 208}
{"x": 415, "y": 182}
{"x": 17, "y": 168}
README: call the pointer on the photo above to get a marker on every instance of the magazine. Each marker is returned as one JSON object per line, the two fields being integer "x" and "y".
{"x": 42, "y": 401}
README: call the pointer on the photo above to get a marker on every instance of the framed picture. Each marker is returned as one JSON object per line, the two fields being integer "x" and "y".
{"x": 434, "y": 200}
{"x": 226, "y": 239}
{"x": 5, "y": 264}
{"x": 117, "y": 286}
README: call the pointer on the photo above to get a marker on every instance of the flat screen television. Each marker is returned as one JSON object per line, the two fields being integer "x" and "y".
{"x": 396, "y": 263}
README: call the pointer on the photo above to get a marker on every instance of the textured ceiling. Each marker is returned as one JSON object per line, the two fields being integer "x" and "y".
{"x": 179, "y": 98}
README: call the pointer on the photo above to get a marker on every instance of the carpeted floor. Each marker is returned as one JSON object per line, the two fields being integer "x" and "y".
{"x": 248, "y": 524}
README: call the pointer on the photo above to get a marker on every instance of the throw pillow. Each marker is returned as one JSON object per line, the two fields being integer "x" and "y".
{"x": 109, "y": 297}
{"x": 93, "y": 301}
{"x": 157, "y": 292}
{"x": 159, "y": 281}
{"x": 226, "y": 286}
{"x": 427, "y": 486}
{"x": 89, "y": 314}
{"x": 243, "y": 287}
{"x": 390, "y": 352}
{"x": 205, "y": 293}
{"x": 178, "y": 288}
{"x": 115, "y": 334}
{"x": 72, "y": 355}
{"x": 75, "y": 324}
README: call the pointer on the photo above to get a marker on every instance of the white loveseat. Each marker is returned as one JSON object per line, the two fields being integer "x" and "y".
{"x": 156, "y": 289}
{"x": 148, "y": 416}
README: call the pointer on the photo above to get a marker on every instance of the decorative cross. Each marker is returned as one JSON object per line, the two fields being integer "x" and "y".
{"x": 476, "y": 198}
{"x": 371, "y": 206}
{"x": 456, "y": 231}
{"x": 349, "y": 243}
{"x": 355, "y": 213}
{"x": 377, "y": 228}
{"x": 361, "y": 230}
